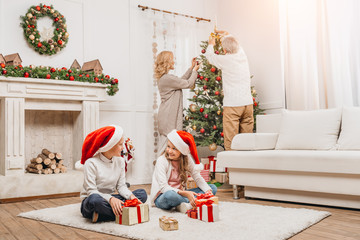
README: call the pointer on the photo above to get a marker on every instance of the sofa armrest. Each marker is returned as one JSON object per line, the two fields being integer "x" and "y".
{"x": 254, "y": 141}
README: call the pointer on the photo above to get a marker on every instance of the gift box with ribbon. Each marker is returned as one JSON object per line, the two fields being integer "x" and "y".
{"x": 207, "y": 196}
{"x": 133, "y": 212}
{"x": 205, "y": 174}
{"x": 192, "y": 213}
{"x": 214, "y": 167}
{"x": 168, "y": 223}
{"x": 190, "y": 183}
{"x": 207, "y": 211}
{"x": 221, "y": 177}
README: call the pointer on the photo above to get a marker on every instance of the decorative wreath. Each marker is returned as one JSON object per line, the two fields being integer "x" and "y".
{"x": 60, "y": 35}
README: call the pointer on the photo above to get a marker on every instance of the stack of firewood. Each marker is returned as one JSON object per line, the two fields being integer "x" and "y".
{"x": 47, "y": 163}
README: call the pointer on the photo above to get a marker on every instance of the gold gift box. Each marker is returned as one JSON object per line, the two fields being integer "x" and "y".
{"x": 130, "y": 215}
{"x": 168, "y": 223}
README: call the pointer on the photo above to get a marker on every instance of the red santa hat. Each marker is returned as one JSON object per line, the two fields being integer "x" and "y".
{"x": 185, "y": 143}
{"x": 100, "y": 140}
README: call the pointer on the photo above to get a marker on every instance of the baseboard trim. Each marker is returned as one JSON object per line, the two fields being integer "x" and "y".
{"x": 22, "y": 199}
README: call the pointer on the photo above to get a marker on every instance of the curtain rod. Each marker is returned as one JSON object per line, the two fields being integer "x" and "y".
{"x": 175, "y": 13}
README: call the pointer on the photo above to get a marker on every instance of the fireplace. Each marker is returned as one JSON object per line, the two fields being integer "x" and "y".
{"x": 34, "y": 111}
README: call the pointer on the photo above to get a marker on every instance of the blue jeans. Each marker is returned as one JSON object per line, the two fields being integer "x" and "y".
{"x": 172, "y": 199}
{"x": 96, "y": 203}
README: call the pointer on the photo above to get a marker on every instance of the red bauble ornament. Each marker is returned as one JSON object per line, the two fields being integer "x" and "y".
{"x": 2, "y": 65}
{"x": 102, "y": 79}
{"x": 26, "y": 74}
{"x": 56, "y": 19}
{"x": 217, "y": 93}
{"x": 48, "y": 76}
{"x": 71, "y": 78}
{"x": 64, "y": 68}
{"x": 253, "y": 99}
{"x": 222, "y": 134}
{"x": 206, "y": 79}
{"x": 87, "y": 75}
{"x": 107, "y": 76}
{"x": 204, "y": 87}
{"x": 255, "y": 104}
{"x": 203, "y": 51}
{"x": 57, "y": 29}
{"x": 214, "y": 127}
{"x": 67, "y": 75}
{"x": 29, "y": 26}
{"x": 4, "y": 72}
{"x": 39, "y": 44}
{"x": 60, "y": 42}
{"x": 202, "y": 130}
{"x": 70, "y": 71}
{"x": 198, "y": 76}
{"x": 20, "y": 66}
{"x": 201, "y": 109}
{"x": 32, "y": 26}
{"x": 212, "y": 69}
{"x": 116, "y": 80}
{"x": 38, "y": 8}
{"x": 52, "y": 70}
{"x": 216, "y": 52}
{"x": 218, "y": 78}
{"x": 201, "y": 77}
{"x": 206, "y": 116}
{"x": 80, "y": 75}
{"x": 96, "y": 79}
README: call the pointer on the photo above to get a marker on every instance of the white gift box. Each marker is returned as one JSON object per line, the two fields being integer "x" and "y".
{"x": 208, "y": 213}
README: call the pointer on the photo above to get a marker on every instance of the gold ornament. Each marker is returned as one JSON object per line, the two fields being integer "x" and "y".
{"x": 187, "y": 118}
{"x": 197, "y": 92}
{"x": 218, "y": 112}
{"x": 29, "y": 15}
{"x": 192, "y": 108}
{"x": 66, "y": 34}
{"x": 32, "y": 37}
{"x": 52, "y": 11}
{"x": 213, "y": 147}
{"x": 194, "y": 127}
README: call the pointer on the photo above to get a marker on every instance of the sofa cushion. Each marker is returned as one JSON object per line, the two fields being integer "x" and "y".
{"x": 316, "y": 130}
{"x": 349, "y": 138}
{"x": 254, "y": 141}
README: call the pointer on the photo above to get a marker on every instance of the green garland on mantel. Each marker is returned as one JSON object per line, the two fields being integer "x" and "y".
{"x": 72, "y": 74}
{"x": 29, "y": 24}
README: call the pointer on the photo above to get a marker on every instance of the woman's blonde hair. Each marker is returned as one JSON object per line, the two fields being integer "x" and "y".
{"x": 183, "y": 168}
{"x": 163, "y": 63}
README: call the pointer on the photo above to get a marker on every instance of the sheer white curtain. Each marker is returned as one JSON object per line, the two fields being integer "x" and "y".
{"x": 321, "y": 53}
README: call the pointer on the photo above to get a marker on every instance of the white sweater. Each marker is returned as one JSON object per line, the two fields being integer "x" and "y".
{"x": 104, "y": 176}
{"x": 162, "y": 174}
{"x": 235, "y": 76}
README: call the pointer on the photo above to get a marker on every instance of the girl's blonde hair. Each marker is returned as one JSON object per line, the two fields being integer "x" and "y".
{"x": 183, "y": 168}
{"x": 163, "y": 63}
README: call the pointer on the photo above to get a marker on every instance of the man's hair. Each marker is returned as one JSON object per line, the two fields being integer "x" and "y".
{"x": 230, "y": 44}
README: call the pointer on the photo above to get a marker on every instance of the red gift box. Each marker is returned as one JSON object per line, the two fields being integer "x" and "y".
{"x": 205, "y": 174}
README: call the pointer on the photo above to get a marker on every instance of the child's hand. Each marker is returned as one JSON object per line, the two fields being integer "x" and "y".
{"x": 116, "y": 205}
{"x": 189, "y": 195}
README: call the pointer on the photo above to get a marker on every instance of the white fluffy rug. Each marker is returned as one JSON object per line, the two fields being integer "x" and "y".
{"x": 237, "y": 221}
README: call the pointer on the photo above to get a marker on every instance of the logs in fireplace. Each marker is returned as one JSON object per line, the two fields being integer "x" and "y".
{"x": 47, "y": 162}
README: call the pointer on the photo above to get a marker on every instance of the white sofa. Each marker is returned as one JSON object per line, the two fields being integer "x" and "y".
{"x": 300, "y": 156}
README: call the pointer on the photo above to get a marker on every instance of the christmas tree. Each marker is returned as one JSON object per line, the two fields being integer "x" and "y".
{"x": 204, "y": 115}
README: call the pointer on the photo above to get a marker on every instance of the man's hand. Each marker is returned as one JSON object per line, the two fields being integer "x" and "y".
{"x": 116, "y": 205}
{"x": 132, "y": 196}
{"x": 197, "y": 66}
{"x": 221, "y": 32}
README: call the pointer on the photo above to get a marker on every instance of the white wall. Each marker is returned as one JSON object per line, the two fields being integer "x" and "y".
{"x": 255, "y": 23}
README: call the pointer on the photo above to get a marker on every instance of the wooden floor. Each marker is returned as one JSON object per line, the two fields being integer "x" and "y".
{"x": 342, "y": 224}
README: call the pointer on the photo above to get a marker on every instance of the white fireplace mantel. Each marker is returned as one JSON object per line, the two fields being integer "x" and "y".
{"x": 20, "y": 94}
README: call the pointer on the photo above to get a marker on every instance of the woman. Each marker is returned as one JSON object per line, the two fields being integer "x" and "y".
{"x": 171, "y": 172}
{"x": 170, "y": 113}
{"x": 104, "y": 172}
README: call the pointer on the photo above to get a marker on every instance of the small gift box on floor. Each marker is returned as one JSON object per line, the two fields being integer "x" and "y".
{"x": 221, "y": 177}
{"x": 191, "y": 183}
{"x": 168, "y": 223}
{"x": 133, "y": 212}
{"x": 208, "y": 211}
{"x": 192, "y": 213}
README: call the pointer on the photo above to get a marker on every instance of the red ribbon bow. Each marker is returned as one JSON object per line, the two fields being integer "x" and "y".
{"x": 132, "y": 203}
{"x": 205, "y": 196}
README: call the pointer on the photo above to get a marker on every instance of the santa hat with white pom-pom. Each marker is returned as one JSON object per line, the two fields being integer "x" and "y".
{"x": 185, "y": 143}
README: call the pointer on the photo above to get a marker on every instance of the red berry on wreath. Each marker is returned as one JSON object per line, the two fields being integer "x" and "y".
{"x": 80, "y": 75}
{"x": 64, "y": 68}
{"x": 253, "y": 99}
{"x": 201, "y": 109}
{"x": 56, "y": 19}
{"x": 4, "y": 72}
{"x": 255, "y": 104}
{"x": 96, "y": 79}
{"x": 32, "y": 26}
{"x": 87, "y": 75}
{"x": 204, "y": 87}
{"x": 20, "y": 66}
{"x": 216, "y": 52}
{"x": 26, "y": 74}
{"x": 57, "y": 29}
{"x": 222, "y": 134}
{"x": 116, "y": 80}
{"x": 38, "y": 8}
{"x": 212, "y": 69}
{"x": 203, "y": 51}
{"x": 52, "y": 70}
{"x": 39, "y": 44}
{"x": 201, "y": 77}
{"x": 107, "y": 76}
{"x": 16, "y": 67}
{"x": 206, "y": 79}
{"x": 217, "y": 93}
{"x": 214, "y": 127}
{"x": 48, "y": 76}
{"x": 60, "y": 42}
{"x": 206, "y": 116}
{"x": 113, "y": 82}
{"x": 218, "y": 78}
{"x": 2, "y": 65}
{"x": 29, "y": 26}
{"x": 202, "y": 130}
{"x": 44, "y": 6}
{"x": 49, "y": 7}
{"x": 67, "y": 75}
{"x": 102, "y": 79}
{"x": 70, "y": 71}
{"x": 71, "y": 78}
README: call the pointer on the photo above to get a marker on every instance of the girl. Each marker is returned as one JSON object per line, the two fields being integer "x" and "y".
{"x": 104, "y": 172}
{"x": 171, "y": 172}
{"x": 170, "y": 113}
